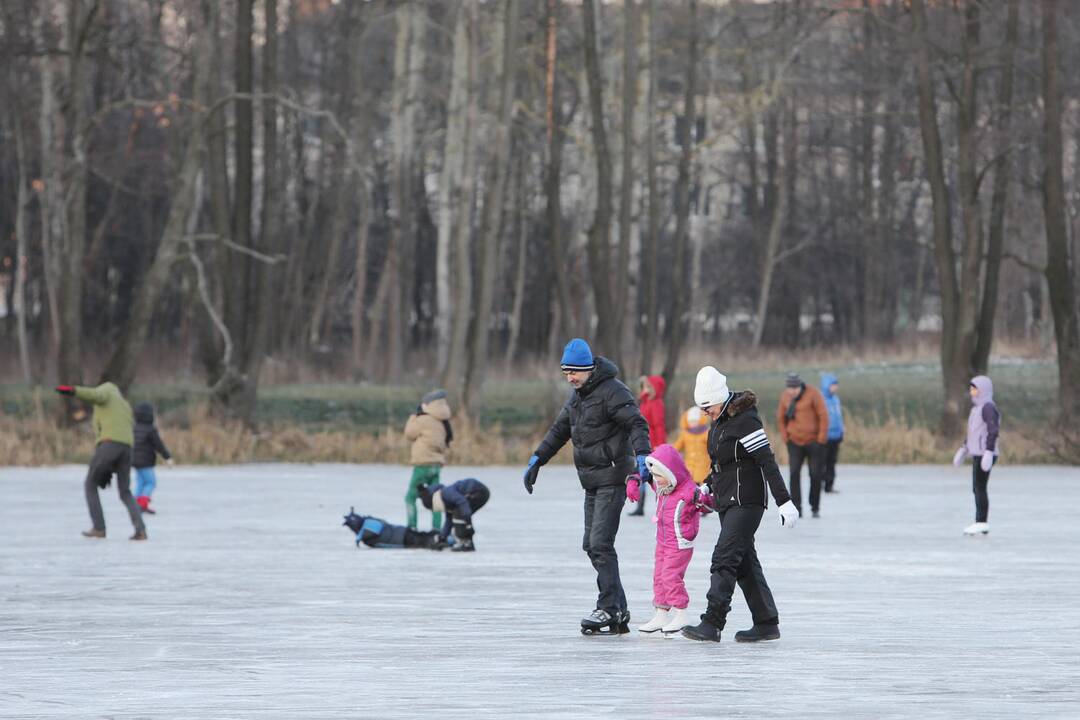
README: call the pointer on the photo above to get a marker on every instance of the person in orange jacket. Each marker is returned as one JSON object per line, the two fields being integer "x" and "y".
{"x": 651, "y": 402}
{"x": 803, "y": 420}
{"x": 693, "y": 443}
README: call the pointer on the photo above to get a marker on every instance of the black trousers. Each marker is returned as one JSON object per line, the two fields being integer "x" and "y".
{"x": 830, "y": 456}
{"x": 111, "y": 458}
{"x": 603, "y": 509}
{"x": 811, "y": 454}
{"x": 979, "y": 482}
{"x": 463, "y": 529}
{"x": 735, "y": 562}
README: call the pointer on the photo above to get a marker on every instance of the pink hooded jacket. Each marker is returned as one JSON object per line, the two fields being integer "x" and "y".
{"x": 677, "y": 518}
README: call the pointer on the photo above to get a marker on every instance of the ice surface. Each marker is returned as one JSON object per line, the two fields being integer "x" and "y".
{"x": 250, "y": 600}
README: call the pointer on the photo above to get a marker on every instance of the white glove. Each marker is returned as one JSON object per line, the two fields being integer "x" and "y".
{"x": 987, "y": 461}
{"x": 788, "y": 514}
{"x": 170, "y": 462}
{"x": 958, "y": 458}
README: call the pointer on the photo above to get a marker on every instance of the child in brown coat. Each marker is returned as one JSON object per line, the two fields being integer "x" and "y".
{"x": 429, "y": 431}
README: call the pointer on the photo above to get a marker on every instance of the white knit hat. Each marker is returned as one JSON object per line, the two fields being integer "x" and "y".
{"x": 711, "y": 387}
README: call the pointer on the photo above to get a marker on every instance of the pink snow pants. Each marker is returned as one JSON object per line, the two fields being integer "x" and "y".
{"x": 669, "y": 567}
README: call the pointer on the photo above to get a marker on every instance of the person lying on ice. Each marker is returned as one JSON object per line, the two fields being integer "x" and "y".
{"x": 459, "y": 501}
{"x": 376, "y": 533}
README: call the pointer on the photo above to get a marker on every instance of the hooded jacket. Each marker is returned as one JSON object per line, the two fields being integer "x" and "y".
{"x": 459, "y": 499}
{"x": 693, "y": 443}
{"x": 984, "y": 420}
{"x": 112, "y": 415}
{"x": 652, "y": 409}
{"x": 427, "y": 429}
{"x": 811, "y": 421}
{"x": 604, "y": 424}
{"x": 832, "y": 405}
{"x": 742, "y": 459}
{"x": 677, "y": 518}
{"x": 148, "y": 444}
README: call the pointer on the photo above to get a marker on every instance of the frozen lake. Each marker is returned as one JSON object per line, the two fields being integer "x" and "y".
{"x": 250, "y": 600}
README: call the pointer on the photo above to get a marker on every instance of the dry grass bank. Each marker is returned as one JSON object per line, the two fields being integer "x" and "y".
{"x": 201, "y": 439}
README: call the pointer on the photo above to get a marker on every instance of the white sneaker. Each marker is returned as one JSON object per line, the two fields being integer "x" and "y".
{"x": 678, "y": 620}
{"x": 979, "y": 528}
{"x": 658, "y": 621}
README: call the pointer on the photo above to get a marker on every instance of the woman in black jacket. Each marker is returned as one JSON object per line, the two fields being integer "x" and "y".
{"x": 742, "y": 466}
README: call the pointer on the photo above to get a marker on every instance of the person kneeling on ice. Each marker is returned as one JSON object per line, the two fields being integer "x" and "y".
{"x": 376, "y": 533}
{"x": 743, "y": 467}
{"x": 459, "y": 501}
{"x": 679, "y": 506}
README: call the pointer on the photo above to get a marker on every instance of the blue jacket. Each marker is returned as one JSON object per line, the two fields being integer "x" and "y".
{"x": 461, "y": 499}
{"x": 832, "y": 404}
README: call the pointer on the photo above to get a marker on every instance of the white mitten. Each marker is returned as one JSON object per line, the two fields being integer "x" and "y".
{"x": 788, "y": 514}
{"x": 987, "y": 461}
{"x": 958, "y": 458}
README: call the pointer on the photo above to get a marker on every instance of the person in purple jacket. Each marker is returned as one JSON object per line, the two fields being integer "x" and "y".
{"x": 984, "y": 424}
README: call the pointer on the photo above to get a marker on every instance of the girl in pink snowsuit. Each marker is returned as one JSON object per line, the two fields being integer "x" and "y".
{"x": 679, "y": 506}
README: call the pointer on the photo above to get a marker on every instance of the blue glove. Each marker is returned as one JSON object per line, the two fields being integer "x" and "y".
{"x": 531, "y": 472}
{"x": 643, "y": 469}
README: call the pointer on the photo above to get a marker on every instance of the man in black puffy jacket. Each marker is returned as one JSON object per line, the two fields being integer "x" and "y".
{"x": 611, "y": 440}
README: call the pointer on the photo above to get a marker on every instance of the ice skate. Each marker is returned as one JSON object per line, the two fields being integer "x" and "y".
{"x": 601, "y": 622}
{"x": 758, "y": 633}
{"x": 679, "y": 619}
{"x": 464, "y": 546}
{"x": 94, "y": 533}
{"x": 977, "y": 528}
{"x": 705, "y": 631}
{"x": 139, "y": 535}
{"x": 658, "y": 621}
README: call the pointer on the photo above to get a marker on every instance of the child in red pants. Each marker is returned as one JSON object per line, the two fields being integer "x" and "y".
{"x": 679, "y": 506}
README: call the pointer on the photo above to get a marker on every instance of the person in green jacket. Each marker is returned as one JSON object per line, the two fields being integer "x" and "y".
{"x": 113, "y": 430}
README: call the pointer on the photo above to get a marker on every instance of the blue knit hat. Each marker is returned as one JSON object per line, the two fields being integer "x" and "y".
{"x": 577, "y": 356}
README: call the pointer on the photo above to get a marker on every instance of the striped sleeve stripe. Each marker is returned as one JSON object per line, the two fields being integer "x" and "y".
{"x": 755, "y": 441}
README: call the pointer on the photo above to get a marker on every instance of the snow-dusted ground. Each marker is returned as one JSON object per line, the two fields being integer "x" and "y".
{"x": 250, "y": 600}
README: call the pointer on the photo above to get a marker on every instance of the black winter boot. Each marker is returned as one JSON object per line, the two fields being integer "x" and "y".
{"x": 463, "y": 546}
{"x": 705, "y": 631}
{"x": 758, "y": 633}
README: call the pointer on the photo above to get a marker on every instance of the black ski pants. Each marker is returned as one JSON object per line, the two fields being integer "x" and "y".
{"x": 811, "y": 454}
{"x": 111, "y": 458}
{"x": 603, "y": 509}
{"x": 979, "y": 481}
{"x": 829, "y": 460}
{"x": 735, "y": 562}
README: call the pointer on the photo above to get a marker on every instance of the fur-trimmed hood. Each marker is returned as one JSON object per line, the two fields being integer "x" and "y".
{"x": 740, "y": 402}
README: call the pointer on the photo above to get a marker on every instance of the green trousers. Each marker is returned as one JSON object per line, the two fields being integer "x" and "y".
{"x": 421, "y": 475}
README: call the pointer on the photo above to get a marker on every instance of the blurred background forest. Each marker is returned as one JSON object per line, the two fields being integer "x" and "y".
{"x": 283, "y": 220}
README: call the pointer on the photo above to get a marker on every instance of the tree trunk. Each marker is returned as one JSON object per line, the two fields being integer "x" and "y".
{"x": 521, "y": 231}
{"x": 998, "y": 200}
{"x": 652, "y": 235}
{"x": 552, "y": 177}
{"x": 451, "y": 178}
{"x": 961, "y": 367}
{"x": 599, "y": 250}
{"x": 953, "y": 381}
{"x": 50, "y": 132}
{"x": 491, "y": 226}
{"x": 123, "y": 364}
{"x": 1059, "y": 276}
{"x": 626, "y": 190}
{"x": 682, "y": 204}
{"x": 22, "y": 264}
{"x": 458, "y": 358}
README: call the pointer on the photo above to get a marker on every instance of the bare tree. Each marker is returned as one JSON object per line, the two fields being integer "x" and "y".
{"x": 1059, "y": 275}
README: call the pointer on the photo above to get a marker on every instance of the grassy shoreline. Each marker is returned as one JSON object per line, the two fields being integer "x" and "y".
{"x": 892, "y": 415}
